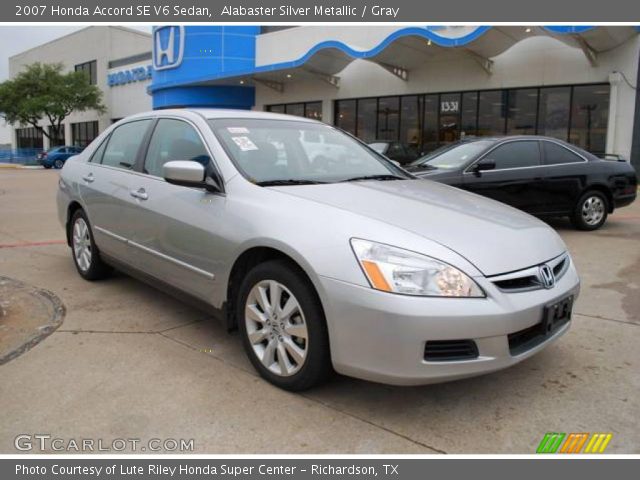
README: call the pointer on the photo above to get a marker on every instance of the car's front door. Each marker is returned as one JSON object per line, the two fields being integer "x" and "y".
{"x": 105, "y": 187}
{"x": 177, "y": 228}
{"x": 517, "y": 178}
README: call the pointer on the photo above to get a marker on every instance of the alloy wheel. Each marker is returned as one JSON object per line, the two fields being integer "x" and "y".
{"x": 82, "y": 244}
{"x": 593, "y": 210}
{"x": 276, "y": 328}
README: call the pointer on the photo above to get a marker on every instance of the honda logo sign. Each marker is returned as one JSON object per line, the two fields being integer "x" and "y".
{"x": 547, "y": 278}
{"x": 168, "y": 47}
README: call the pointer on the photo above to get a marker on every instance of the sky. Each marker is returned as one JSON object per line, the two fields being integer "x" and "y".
{"x": 20, "y": 38}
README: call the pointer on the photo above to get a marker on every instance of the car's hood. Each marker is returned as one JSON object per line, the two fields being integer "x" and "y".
{"x": 494, "y": 237}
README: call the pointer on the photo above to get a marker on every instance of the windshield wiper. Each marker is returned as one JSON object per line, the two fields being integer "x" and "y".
{"x": 374, "y": 177}
{"x": 290, "y": 181}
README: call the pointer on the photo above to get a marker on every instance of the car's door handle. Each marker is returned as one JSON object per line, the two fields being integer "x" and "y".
{"x": 88, "y": 178}
{"x": 140, "y": 194}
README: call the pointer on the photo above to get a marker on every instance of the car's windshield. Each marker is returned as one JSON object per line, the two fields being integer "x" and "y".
{"x": 293, "y": 152}
{"x": 454, "y": 157}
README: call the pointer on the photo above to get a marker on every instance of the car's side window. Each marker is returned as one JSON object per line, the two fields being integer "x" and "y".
{"x": 123, "y": 144}
{"x": 555, "y": 154}
{"x": 524, "y": 153}
{"x": 173, "y": 140}
{"x": 96, "y": 157}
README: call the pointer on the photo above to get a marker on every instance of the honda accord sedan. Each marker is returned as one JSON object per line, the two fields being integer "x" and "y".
{"x": 540, "y": 175}
{"x": 351, "y": 265}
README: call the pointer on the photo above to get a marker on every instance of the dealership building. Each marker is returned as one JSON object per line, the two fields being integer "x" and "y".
{"x": 420, "y": 86}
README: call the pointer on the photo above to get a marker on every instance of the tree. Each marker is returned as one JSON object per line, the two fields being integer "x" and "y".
{"x": 43, "y": 91}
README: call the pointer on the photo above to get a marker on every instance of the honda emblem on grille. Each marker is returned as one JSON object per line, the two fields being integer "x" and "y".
{"x": 547, "y": 278}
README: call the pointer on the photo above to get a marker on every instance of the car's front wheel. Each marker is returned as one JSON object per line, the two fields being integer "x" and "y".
{"x": 58, "y": 164}
{"x": 591, "y": 211}
{"x": 283, "y": 326}
{"x": 85, "y": 253}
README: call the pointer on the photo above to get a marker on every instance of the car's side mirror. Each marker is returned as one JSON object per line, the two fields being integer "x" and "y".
{"x": 484, "y": 164}
{"x": 188, "y": 173}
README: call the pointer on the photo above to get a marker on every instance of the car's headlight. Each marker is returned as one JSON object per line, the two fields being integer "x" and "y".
{"x": 396, "y": 270}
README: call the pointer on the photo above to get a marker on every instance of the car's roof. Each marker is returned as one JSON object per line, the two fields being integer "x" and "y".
{"x": 212, "y": 113}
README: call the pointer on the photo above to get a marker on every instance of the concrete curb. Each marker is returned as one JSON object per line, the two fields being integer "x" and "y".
{"x": 43, "y": 331}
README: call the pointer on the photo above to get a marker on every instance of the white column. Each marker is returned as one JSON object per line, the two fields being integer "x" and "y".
{"x": 67, "y": 133}
{"x": 614, "y": 80}
{"x": 327, "y": 111}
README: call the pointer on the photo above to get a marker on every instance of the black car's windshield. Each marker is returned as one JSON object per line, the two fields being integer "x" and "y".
{"x": 454, "y": 157}
{"x": 289, "y": 152}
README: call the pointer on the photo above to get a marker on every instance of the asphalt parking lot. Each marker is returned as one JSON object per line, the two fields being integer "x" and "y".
{"x": 131, "y": 362}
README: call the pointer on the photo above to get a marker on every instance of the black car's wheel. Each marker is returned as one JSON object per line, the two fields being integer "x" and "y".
{"x": 591, "y": 211}
{"x": 85, "y": 253}
{"x": 283, "y": 327}
{"x": 58, "y": 164}
{"x": 47, "y": 166}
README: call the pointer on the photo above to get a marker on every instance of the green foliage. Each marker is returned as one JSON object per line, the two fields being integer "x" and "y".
{"x": 43, "y": 91}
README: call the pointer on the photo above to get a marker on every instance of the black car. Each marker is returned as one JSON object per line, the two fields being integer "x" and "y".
{"x": 403, "y": 153}
{"x": 540, "y": 175}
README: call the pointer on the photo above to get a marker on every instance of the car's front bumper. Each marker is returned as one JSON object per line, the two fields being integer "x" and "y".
{"x": 381, "y": 337}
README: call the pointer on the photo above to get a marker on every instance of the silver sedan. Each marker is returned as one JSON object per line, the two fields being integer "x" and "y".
{"x": 325, "y": 255}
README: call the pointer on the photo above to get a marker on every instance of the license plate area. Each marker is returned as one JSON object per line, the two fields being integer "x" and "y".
{"x": 556, "y": 315}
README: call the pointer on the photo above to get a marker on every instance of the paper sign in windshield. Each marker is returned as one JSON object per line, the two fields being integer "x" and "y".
{"x": 244, "y": 143}
{"x": 237, "y": 130}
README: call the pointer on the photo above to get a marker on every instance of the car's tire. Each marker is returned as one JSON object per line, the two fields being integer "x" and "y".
{"x": 47, "y": 166}
{"x": 86, "y": 256}
{"x": 58, "y": 164}
{"x": 281, "y": 354}
{"x": 591, "y": 211}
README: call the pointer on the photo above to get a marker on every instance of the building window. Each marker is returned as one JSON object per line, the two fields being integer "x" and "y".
{"x": 367, "y": 122}
{"x": 522, "y": 113}
{"x": 410, "y": 127}
{"x": 449, "y": 118}
{"x": 589, "y": 117}
{"x": 82, "y": 134}
{"x": 430, "y": 122}
{"x": 302, "y": 109}
{"x": 29, "y": 138}
{"x": 56, "y": 137}
{"x": 296, "y": 109}
{"x": 553, "y": 112}
{"x": 469, "y": 115}
{"x": 492, "y": 112}
{"x": 90, "y": 68}
{"x": 346, "y": 115}
{"x": 275, "y": 108}
{"x": 578, "y": 114}
{"x": 388, "y": 118}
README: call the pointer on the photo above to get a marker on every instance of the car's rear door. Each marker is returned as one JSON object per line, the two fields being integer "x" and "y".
{"x": 566, "y": 177}
{"x": 517, "y": 178}
{"x": 105, "y": 187}
{"x": 177, "y": 228}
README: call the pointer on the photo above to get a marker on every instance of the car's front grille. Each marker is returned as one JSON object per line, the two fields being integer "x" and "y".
{"x": 450, "y": 350}
{"x": 530, "y": 278}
